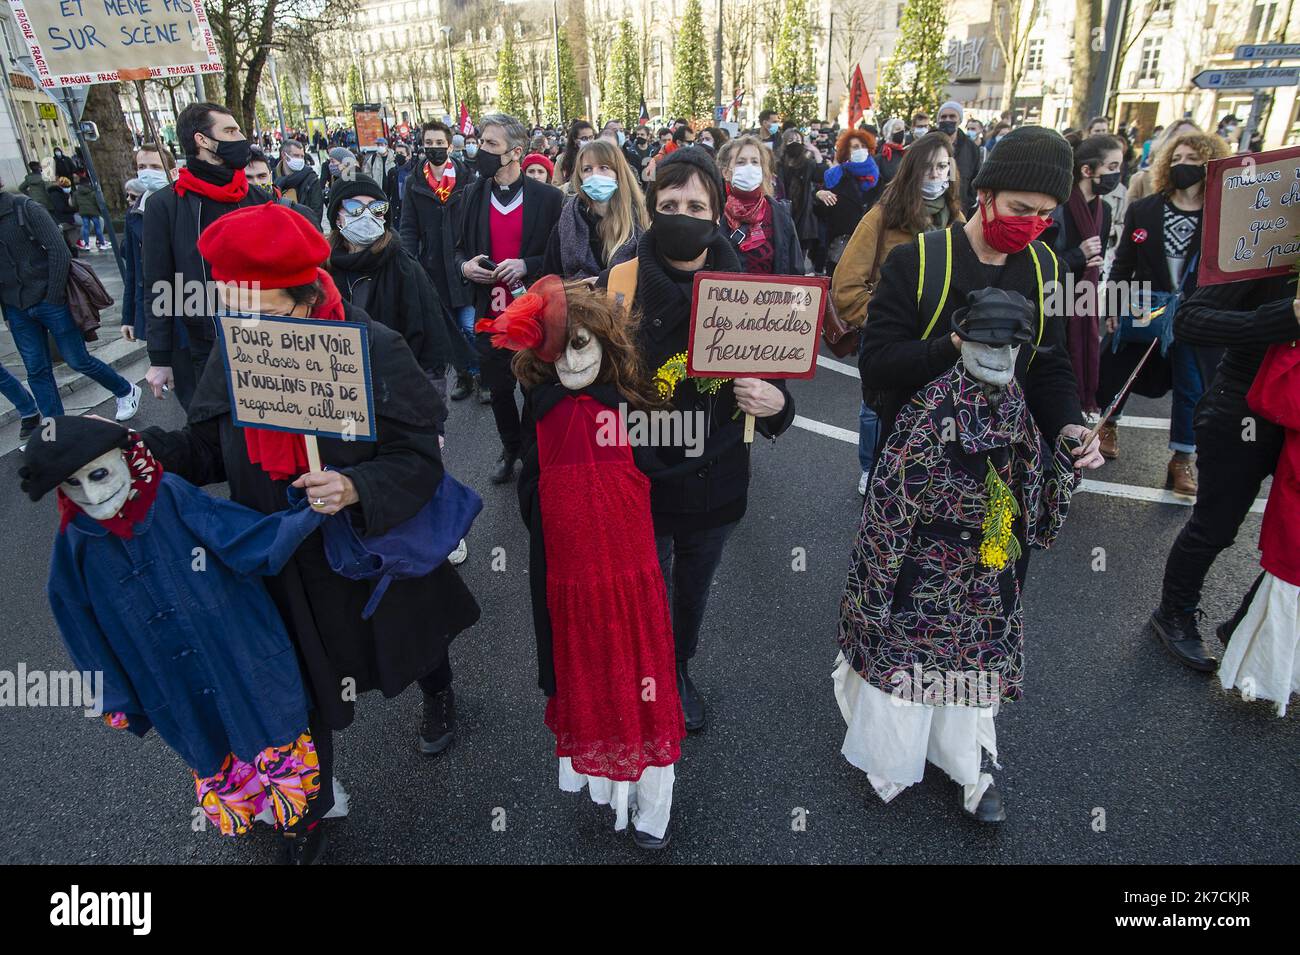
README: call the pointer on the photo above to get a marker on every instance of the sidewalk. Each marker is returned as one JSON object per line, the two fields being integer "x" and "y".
{"x": 111, "y": 348}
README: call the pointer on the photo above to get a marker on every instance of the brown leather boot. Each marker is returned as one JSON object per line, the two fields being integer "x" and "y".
{"x": 1181, "y": 476}
{"x": 1109, "y": 437}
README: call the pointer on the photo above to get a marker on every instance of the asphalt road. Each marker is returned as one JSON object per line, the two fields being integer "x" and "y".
{"x": 1111, "y": 726}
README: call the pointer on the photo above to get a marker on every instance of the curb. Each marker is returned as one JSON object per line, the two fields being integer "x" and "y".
{"x": 117, "y": 355}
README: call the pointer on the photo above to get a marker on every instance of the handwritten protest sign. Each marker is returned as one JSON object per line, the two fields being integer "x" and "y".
{"x": 78, "y": 42}
{"x": 368, "y": 119}
{"x": 1252, "y": 217}
{"x": 745, "y": 326}
{"x": 299, "y": 374}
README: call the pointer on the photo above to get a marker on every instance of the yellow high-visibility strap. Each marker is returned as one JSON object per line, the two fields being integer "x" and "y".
{"x": 947, "y": 278}
{"x": 920, "y": 275}
{"x": 1038, "y": 272}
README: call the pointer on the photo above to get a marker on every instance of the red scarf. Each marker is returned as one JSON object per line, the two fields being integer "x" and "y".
{"x": 751, "y": 209}
{"x": 231, "y": 192}
{"x": 441, "y": 187}
{"x": 282, "y": 454}
{"x": 146, "y": 475}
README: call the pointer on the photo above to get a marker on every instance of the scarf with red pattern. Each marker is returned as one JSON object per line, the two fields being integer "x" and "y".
{"x": 749, "y": 208}
{"x": 443, "y": 187}
{"x": 146, "y": 475}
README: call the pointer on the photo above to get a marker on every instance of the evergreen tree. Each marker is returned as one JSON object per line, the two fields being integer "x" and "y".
{"x": 569, "y": 84}
{"x": 621, "y": 98}
{"x": 793, "y": 91}
{"x": 691, "y": 95}
{"x": 354, "y": 87}
{"x": 467, "y": 88}
{"x": 316, "y": 86}
{"x": 511, "y": 98}
{"x": 916, "y": 72}
{"x": 289, "y": 101}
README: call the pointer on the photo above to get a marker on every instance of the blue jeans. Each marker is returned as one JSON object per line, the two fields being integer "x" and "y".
{"x": 1188, "y": 388}
{"x": 86, "y": 222}
{"x": 29, "y": 326}
{"x": 464, "y": 316}
{"x": 18, "y": 396}
{"x": 868, "y": 435}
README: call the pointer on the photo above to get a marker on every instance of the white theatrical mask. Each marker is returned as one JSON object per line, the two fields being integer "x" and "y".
{"x": 990, "y": 364}
{"x": 580, "y": 363}
{"x": 101, "y": 487}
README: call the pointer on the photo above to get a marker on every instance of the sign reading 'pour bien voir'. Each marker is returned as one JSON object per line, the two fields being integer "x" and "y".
{"x": 299, "y": 374}
{"x": 745, "y": 326}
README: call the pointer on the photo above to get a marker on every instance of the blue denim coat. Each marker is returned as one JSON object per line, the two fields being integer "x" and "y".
{"x": 187, "y": 638}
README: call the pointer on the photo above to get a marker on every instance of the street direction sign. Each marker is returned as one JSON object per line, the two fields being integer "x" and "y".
{"x": 1267, "y": 51}
{"x": 1250, "y": 79}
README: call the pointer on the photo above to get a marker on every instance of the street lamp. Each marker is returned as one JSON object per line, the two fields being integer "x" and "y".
{"x": 451, "y": 69}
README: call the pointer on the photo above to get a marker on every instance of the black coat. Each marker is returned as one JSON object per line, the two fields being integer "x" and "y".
{"x": 715, "y": 491}
{"x": 542, "y": 205}
{"x": 895, "y": 361}
{"x": 63, "y": 206}
{"x": 306, "y": 186}
{"x": 800, "y": 181}
{"x": 394, "y": 477}
{"x": 172, "y": 226}
{"x": 1145, "y": 261}
{"x": 787, "y": 253}
{"x": 843, "y": 217}
{"x": 888, "y": 159}
{"x": 969, "y": 159}
{"x": 428, "y": 231}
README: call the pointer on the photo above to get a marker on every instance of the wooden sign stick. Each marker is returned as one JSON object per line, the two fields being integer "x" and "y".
{"x": 749, "y": 429}
{"x": 313, "y": 452}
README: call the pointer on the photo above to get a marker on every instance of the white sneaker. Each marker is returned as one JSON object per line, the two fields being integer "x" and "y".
{"x": 460, "y": 553}
{"x": 340, "y": 808}
{"x": 128, "y": 405}
{"x": 862, "y": 484}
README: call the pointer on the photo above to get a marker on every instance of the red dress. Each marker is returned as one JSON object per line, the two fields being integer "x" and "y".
{"x": 615, "y": 710}
{"x": 1275, "y": 395}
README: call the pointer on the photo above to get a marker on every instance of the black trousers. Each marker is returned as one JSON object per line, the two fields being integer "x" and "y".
{"x": 689, "y": 559}
{"x": 437, "y": 679}
{"x": 494, "y": 364}
{"x": 1231, "y": 465}
{"x": 323, "y": 739}
{"x": 183, "y": 378}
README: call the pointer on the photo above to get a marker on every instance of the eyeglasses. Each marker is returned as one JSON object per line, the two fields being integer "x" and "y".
{"x": 354, "y": 207}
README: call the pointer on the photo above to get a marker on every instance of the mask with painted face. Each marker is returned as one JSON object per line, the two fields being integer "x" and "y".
{"x": 992, "y": 365}
{"x": 579, "y": 366}
{"x": 101, "y": 487}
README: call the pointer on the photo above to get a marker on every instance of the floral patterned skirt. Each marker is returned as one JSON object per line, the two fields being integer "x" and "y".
{"x": 276, "y": 788}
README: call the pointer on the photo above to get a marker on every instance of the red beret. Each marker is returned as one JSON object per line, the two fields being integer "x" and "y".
{"x": 269, "y": 244}
{"x": 537, "y": 159}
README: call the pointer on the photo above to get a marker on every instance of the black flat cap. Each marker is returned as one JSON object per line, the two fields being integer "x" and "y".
{"x": 61, "y": 446}
{"x": 996, "y": 317}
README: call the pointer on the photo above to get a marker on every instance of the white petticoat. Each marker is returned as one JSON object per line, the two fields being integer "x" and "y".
{"x": 890, "y": 739}
{"x": 648, "y": 801}
{"x": 1261, "y": 658}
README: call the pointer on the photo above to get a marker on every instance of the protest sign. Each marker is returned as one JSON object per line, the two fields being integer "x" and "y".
{"x": 368, "y": 119}
{"x": 298, "y": 374}
{"x": 79, "y": 42}
{"x": 745, "y": 326}
{"x": 1252, "y": 217}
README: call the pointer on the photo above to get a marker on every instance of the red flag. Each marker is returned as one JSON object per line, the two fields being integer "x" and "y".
{"x": 466, "y": 126}
{"x": 733, "y": 111}
{"x": 644, "y": 116}
{"x": 859, "y": 97}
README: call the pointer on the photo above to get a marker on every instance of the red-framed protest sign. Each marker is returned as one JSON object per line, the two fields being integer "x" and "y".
{"x": 1252, "y": 217}
{"x": 80, "y": 42}
{"x": 755, "y": 326}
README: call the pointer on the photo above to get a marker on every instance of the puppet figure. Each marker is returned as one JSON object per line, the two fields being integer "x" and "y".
{"x": 930, "y": 629}
{"x": 154, "y": 584}
{"x": 1262, "y": 640}
{"x": 600, "y": 607}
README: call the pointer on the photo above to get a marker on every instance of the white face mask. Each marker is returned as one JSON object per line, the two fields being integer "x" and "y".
{"x": 580, "y": 363}
{"x": 102, "y": 486}
{"x": 153, "y": 179}
{"x": 934, "y": 188}
{"x": 988, "y": 364}
{"x": 363, "y": 230}
{"x": 747, "y": 178}
{"x": 859, "y": 155}
{"x": 295, "y": 163}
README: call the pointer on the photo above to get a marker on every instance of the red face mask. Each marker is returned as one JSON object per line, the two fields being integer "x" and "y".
{"x": 1010, "y": 234}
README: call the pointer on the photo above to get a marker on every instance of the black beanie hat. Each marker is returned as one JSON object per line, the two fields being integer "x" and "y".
{"x": 701, "y": 159}
{"x": 358, "y": 185}
{"x": 73, "y": 443}
{"x": 994, "y": 317}
{"x": 1030, "y": 159}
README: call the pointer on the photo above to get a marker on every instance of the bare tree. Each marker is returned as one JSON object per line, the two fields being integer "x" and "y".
{"x": 857, "y": 24}
{"x": 1013, "y": 22}
{"x": 537, "y": 71}
{"x": 739, "y": 29}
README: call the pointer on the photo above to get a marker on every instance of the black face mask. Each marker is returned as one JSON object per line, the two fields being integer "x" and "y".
{"x": 488, "y": 164}
{"x": 1185, "y": 175}
{"x": 686, "y": 236}
{"x": 1106, "y": 183}
{"x": 793, "y": 150}
{"x": 437, "y": 154}
{"x": 898, "y": 136}
{"x": 234, "y": 153}
{"x": 948, "y": 126}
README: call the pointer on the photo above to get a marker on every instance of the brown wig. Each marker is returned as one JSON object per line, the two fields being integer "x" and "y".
{"x": 620, "y": 365}
{"x": 902, "y": 205}
{"x": 842, "y": 147}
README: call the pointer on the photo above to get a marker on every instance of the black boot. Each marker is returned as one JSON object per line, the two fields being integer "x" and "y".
{"x": 505, "y": 469}
{"x": 989, "y": 809}
{"x": 1178, "y": 632}
{"x": 27, "y": 427}
{"x": 306, "y": 847}
{"x": 692, "y": 702}
{"x": 438, "y": 725}
{"x": 463, "y": 388}
{"x": 644, "y": 840}
{"x": 484, "y": 392}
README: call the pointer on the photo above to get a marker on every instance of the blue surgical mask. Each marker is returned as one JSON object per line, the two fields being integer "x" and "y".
{"x": 599, "y": 188}
{"x": 773, "y": 128}
{"x": 621, "y": 138}
{"x": 153, "y": 179}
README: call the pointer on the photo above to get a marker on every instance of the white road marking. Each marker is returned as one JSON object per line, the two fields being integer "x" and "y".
{"x": 841, "y": 367}
{"x": 1105, "y": 488}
